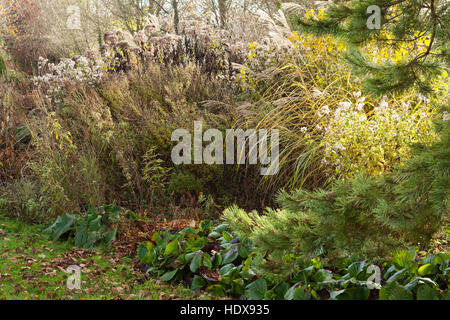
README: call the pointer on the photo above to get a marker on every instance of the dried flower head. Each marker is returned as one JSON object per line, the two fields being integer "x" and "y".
{"x": 110, "y": 38}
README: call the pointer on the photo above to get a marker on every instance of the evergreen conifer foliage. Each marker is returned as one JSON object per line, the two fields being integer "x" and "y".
{"x": 419, "y": 28}
{"x": 370, "y": 216}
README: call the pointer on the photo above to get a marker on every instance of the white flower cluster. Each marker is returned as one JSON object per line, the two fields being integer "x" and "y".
{"x": 382, "y": 132}
{"x": 325, "y": 110}
{"x": 196, "y": 40}
{"x": 265, "y": 55}
{"x": 55, "y": 77}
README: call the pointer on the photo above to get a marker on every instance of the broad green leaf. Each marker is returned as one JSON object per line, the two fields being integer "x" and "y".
{"x": 290, "y": 292}
{"x": 156, "y": 238}
{"x": 395, "y": 276}
{"x": 207, "y": 261}
{"x": 198, "y": 283}
{"x": 95, "y": 225}
{"x": 412, "y": 285}
{"x": 335, "y": 294}
{"x": 226, "y": 269}
{"x": 230, "y": 255}
{"x": 168, "y": 275}
{"x": 196, "y": 261}
{"x": 304, "y": 274}
{"x": 221, "y": 228}
{"x": 82, "y": 236}
{"x": 217, "y": 290}
{"x": 389, "y": 271}
{"x": 172, "y": 248}
{"x": 248, "y": 262}
{"x": 227, "y": 236}
{"x": 188, "y": 257}
{"x": 142, "y": 251}
{"x": 62, "y": 224}
{"x": 406, "y": 260}
{"x": 442, "y": 257}
{"x": 280, "y": 290}
{"x": 217, "y": 260}
{"x": 214, "y": 235}
{"x": 427, "y": 269}
{"x": 321, "y": 276}
{"x": 243, "y": 252}
{"x": 356, "y": 268}
{"x": 301, "y": 294}
{"x": 256, "y": 290}
{"x": 146, "y": 252}
{"x": 395, "y": 292}
{"x": 356, "y": 293}
{"x": 427, "y": 293}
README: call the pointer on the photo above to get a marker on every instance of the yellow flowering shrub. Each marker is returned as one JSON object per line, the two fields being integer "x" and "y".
{"x": 328, "y": 129}
{"x": 355, "y": 140}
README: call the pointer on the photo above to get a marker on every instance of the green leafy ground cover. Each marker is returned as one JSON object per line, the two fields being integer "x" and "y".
{"x": 206, "y": 262}
{"x": 214, "y": 259}
{"x": 33, "y": 268}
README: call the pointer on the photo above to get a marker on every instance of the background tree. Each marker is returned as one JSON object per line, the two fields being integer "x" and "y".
{"x": 176, "y": 15}
{"x": 415, "y": 31}
{"x": 23, "y": 32}
{"x": 133, "y": 13}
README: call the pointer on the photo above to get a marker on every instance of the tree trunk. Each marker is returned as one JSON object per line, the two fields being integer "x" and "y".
{"x": 223, "y": 13}
{"x": 176, "y": 17}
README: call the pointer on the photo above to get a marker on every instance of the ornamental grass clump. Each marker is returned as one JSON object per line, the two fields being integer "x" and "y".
{"x": 328, "y": 128}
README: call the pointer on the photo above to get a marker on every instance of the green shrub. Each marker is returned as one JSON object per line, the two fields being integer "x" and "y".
{"x": 94, "y": 227}
{"x": 22, "y": 200}
{"x": 372, "y": 216}
{"x": 189, "y": 254}
{"x": 328, "y": 128}
{"x": 184, "y": 182}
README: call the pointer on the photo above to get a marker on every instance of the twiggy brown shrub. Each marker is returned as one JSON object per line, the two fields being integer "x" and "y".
{"x": 112, "y": 144}
{"x": 16, "y": 102}
{"x": 22, "y": 33}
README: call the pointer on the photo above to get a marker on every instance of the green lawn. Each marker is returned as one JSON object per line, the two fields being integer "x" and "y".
{"x": 32, "y": 267}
